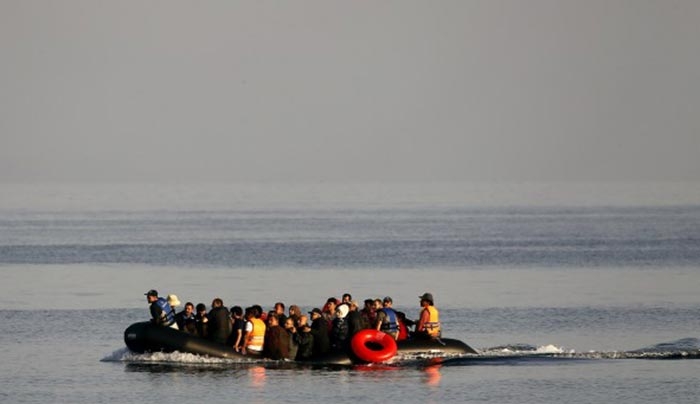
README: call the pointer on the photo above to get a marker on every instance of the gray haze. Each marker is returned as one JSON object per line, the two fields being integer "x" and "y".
{"x": 349, "y": 90}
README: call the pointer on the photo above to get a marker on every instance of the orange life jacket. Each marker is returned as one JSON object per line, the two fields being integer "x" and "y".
{"x": 432, "y": 326}
{"x": 256, "y": 338}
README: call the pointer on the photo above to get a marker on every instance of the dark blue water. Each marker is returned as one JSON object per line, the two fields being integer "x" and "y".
{"x": 392, "y": 238}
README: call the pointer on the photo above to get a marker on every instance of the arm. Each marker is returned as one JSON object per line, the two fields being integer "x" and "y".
{"x": 237, "y": 344}
{"x": 248, "y": 335}
{"x": 424, "y": 318}
{"x": 156, "y": 313}
{"x": 380, "y": 320}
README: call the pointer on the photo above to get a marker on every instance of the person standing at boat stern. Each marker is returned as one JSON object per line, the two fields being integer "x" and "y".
{"x": 161, "y": 312}
{"x": 429, "y": 322}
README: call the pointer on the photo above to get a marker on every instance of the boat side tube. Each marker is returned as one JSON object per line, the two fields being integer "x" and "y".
{"x": 148, "y": 337}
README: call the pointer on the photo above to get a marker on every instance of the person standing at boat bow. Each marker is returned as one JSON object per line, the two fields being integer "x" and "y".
{"x": 161, "y": 312}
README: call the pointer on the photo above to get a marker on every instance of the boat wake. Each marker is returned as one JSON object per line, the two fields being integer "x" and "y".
{"x": 512, "y": 354}
{"x": 127, "y": 356}
{"x": 687, "y": 348}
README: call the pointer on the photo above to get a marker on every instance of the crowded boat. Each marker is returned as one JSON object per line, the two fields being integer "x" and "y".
{"x": 339, "y": 332}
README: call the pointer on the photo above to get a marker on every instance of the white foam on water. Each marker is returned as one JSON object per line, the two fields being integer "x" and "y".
{"x": 125, "y": 355}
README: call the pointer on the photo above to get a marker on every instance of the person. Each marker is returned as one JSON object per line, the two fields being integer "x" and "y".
{"x": 376, "y": 305}
{"x": 276, "y": 345}
{"x": 319, "y": 330}
{"x": 238, "y": 333}
{"x": 255, "y": 332}
{"x": 294, "y": 313}
{"x": 161, "y": 312}
{"x": 387, "y": 320}
{"x": 291, "y": 330}
{"x": 302, "y": 321}
{"x": 259, "y": 312}
{"x": 202, "y": 321}
{"x": 219, "y": 322}
{"x": 429, "y": 322}
{"x": 404, "y": 323}
{"x": 186, "y": 320}
{"x": 279, "y": 310}
{"x": 305, "y": 341}
{"x": 173, "y": 301}
{"x": 340, "y": 342}
{"x": 329, "y": 310}
{"x": 354, "y": 320}
{"x": 368, "y": 314}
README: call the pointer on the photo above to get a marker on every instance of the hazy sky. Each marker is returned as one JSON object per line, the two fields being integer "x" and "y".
{"x": 349, "y": 90}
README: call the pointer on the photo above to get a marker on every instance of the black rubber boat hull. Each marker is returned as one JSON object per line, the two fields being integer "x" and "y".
{"x": 147, "y": 337}
{"x": 441, "y": 346}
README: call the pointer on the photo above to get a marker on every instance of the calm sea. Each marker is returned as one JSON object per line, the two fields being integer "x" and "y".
{"x": 579, "y": 293}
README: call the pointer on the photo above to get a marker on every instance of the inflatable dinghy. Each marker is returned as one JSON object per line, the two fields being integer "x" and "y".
{"x": 367, "y": 346}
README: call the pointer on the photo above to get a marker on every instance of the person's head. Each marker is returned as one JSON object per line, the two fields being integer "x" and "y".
{"x": 151, "y": 295}
{"x": 249, "y": 313}
{"x": 303, "y": 320}
{"x": 353, "y": 305}
{"x": 377, "y": 304}
{"x": 347, "y": 298}
{"x": 294, "y": 310}
{"x": 236, "y": 311}
{"x": 201, "y": 308}
{"x": 315, "y": 313}
{"x": 217, "y": 302}
{"x": 189, "y": 308}
{"x": 369, "y": 304}
{"x": 331, "y": 304}
{"x": 257, "y": 309}
{"x": 342, "y": 311}
{"x": 387, "y": 302}
{"x": 272, "y": 319}
{"x": 279, "y": 308}
{"x": 426, "y": 299}
{"x": 289, "y": 323}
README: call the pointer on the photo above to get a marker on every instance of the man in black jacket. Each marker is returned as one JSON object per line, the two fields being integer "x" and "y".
{"x": 319, "y": 330}
{"x": 219, "y": 322}
{"x": 354, "y": 320}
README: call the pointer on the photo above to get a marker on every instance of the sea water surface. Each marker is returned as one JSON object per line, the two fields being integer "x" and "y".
{"x": 584, "y": 293}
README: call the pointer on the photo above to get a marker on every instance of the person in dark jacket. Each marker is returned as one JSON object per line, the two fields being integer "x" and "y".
{"x": 219, "y": 322}
{"x": 202, "y": 321}
{"x": 161, "y": 312}
{"x": 340, "y": 342}
{"x": 292, "y": 334}
{"x": 354, "y": 320}
{"x": 279, "y": 310}
{"x": 276, "y": 344}
{"x": 319, "y": 330}
{"x": 305, "y": 342}
{"x": 186, "y": 320}
{"x": 237, "y": 338}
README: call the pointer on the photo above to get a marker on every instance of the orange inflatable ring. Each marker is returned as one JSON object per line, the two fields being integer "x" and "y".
{"x": 373, "y": 346}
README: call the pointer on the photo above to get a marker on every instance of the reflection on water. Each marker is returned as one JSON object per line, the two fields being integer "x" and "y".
{"x": 257, "y": 376}
{"x": 432, "y": 375}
